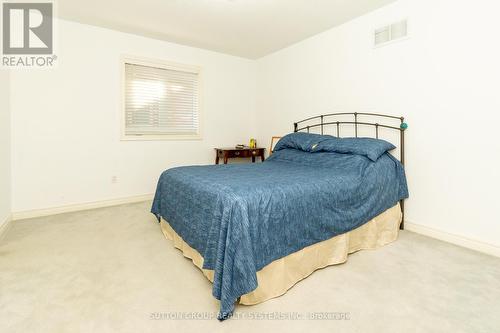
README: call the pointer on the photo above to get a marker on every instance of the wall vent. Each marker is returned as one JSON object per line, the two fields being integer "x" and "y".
{"x": 390, "y": 32}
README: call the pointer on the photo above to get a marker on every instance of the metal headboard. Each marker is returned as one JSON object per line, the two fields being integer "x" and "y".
{"x": 324, "y": 120}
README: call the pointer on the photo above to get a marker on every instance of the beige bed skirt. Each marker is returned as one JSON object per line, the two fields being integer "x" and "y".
{"x": 280, "y": 275}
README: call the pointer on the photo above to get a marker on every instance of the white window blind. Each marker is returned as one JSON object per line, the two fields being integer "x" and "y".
{"x": 161, "y": 101}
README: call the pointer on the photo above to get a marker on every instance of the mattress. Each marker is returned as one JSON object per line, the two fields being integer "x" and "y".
{"x": 282, "y": 274}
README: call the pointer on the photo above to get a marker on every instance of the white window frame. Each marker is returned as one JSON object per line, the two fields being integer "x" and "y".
{"x": 128, "y": 59}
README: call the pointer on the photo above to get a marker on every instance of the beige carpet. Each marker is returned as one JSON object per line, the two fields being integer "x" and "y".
{"x": 111, "y": 270}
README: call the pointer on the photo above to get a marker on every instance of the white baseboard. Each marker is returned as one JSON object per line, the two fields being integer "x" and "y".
{"x": 454, "y": 239}
{"x": 413, "y": 227}
{"x": 21, "y": 215}
{"x": 5, "y": 226}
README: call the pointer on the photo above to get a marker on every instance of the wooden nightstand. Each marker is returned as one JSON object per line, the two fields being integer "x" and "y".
{"x": 227, "y": 153}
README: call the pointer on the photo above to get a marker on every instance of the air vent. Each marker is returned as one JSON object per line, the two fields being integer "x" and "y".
{"x": 390, "y": 32}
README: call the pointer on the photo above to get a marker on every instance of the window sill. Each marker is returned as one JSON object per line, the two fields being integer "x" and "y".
{"x": 161, "y": 137}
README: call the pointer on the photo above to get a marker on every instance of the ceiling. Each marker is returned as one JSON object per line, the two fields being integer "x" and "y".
{"x": 245, "y": 28}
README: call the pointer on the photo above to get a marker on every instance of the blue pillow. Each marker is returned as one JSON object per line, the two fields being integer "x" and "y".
{"x": 369, "y": 147}
{"x": 301, "y": 141}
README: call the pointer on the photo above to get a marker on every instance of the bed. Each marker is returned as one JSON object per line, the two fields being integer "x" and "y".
{"x": 257, "y": 229}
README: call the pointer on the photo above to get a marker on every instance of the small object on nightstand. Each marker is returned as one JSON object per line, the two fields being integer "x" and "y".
{"x": 253, "y": 143}
{"x": 227, "y": 153}
{"x": 274, "y": 141}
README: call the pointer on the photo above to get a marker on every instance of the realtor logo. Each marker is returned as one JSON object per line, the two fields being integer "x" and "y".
{"x": 27, "y": 29}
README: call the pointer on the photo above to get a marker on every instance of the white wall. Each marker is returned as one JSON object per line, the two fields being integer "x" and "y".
{"x": 5, "y": 144}
{"x": 66, "y": 127}
{"x": 445, "y": 79}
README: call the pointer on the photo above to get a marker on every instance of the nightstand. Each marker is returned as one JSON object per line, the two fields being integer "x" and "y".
{"x": 227, "y": 153}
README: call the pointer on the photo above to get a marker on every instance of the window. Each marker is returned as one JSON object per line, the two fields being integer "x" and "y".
{"x": 161, "y": 101}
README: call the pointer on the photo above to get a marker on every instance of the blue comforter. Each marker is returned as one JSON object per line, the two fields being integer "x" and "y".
{"x": 242, "y": 217}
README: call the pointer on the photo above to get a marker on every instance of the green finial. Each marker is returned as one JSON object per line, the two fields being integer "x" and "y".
{"x": 403, "y": 126}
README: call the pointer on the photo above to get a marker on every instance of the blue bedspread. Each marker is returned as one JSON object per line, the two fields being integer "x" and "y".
{"x": 241, "y": 217}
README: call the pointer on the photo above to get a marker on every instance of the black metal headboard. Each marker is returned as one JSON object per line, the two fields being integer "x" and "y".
{"x": 324, "y": 120}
